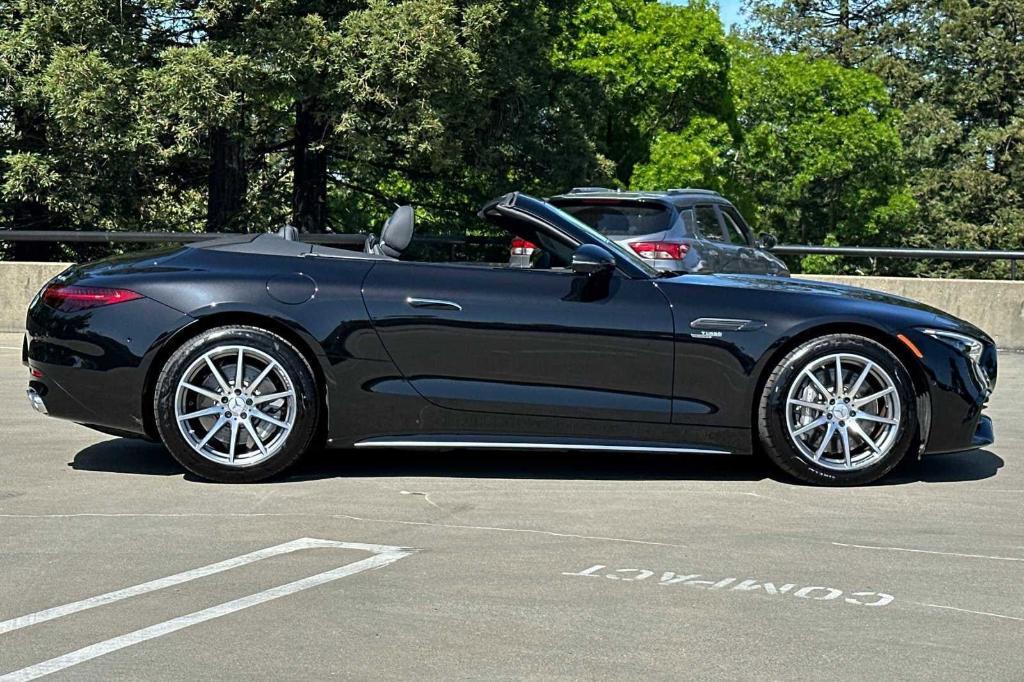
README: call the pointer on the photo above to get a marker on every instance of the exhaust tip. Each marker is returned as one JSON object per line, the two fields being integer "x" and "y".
{"x": 36, "y": 400}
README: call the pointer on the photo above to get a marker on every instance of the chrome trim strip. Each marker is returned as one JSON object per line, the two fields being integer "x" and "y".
{"x": 434, "y": 303}
{"x": 529, "y": 446}
{"x": 356, "y": 255}
{"x": 36, "y": 400}
{"x": 725, "y": 324}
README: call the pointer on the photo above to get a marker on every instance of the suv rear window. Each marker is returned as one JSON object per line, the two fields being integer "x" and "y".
{"x": 622, "y": 219}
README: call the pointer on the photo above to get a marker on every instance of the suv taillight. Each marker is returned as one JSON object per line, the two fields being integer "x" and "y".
{"x": 521, "y": 247}
{"x": 660, "y": 250}
{"x": 71, "y": 298}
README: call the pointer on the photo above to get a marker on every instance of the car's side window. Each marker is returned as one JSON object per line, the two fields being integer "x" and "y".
{"x": 737, "y": 235}
{"x": 705, "y": 222}
{"x": 689, "y": 221}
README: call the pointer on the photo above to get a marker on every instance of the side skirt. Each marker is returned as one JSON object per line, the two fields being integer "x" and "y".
{"x": 447, "y": 441}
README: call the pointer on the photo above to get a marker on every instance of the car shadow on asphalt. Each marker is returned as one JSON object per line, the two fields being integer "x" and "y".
{"x": 130, "y": 456}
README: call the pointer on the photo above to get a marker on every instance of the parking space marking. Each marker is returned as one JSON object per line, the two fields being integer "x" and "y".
{"x": 977, "y": 613}
{"x": 929, "y": 551}
{"x": 179, "y": 578}
{"x": 382, "y": 556}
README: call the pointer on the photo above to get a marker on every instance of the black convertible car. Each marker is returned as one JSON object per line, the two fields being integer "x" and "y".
{"x": 242, "y": 353}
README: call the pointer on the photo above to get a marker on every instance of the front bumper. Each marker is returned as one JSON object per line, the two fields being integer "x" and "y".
{"x": 957, "y": 395}
{"x": 985, "y": 433}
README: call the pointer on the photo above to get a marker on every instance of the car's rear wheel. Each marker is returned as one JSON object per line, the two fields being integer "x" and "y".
{"x": 838, "y": 410}
{"x": 236, "y": 404}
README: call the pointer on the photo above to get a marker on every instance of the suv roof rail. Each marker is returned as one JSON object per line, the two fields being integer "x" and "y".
{"x": 586, "y": 190}
{"x": 692, "y": 190}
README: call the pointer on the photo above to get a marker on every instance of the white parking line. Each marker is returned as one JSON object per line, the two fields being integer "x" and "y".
{"x": 177, "y": 579}
{"x": 383, "y": 555}
{"x": 929, "y": 551}
{"x": 977, "y": 613}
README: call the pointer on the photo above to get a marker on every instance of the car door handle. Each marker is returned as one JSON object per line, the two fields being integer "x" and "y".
{"x": 432, "y": 304}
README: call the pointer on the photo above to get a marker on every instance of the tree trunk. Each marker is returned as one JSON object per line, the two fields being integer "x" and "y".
{"x": 228, "y": 179}
{"x": 31, "y": 213}
{"x": 309, "y": 166}
{"x": 845, "y": 38}
{"x": 228, "y": 182}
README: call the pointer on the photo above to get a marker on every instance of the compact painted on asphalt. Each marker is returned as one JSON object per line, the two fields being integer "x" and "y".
{"x": 748, "y": 585}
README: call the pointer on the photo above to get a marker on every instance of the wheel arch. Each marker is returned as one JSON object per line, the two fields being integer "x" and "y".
{"x": 880, "y": 336}
{"x": 287, "y": 330}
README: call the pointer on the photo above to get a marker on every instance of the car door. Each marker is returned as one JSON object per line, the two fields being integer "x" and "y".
{"x": 708, "y": 227}
{"x": 738, "y": 245}
{"x": 495, "y": 339}
{"x": 754, "y": 260}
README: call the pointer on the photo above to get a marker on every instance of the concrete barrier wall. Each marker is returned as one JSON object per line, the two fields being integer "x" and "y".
{"x": 995, "y": 306}
{"x": 19, "y": 282}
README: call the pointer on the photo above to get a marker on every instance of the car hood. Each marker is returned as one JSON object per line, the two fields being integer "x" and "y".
{"x": 854, "y": 298}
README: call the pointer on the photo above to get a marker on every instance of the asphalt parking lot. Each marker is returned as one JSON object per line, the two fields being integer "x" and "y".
{"x": 116, "y": 564}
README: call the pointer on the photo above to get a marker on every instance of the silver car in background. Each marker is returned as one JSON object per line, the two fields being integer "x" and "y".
{"x": 678, "y": 230}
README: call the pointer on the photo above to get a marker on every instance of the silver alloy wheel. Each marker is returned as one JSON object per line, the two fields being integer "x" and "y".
{"x": 235, "y": 405}
{"x": 843, "y": 412}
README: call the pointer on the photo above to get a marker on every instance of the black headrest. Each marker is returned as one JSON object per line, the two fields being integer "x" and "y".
{"x": 397, "y": 232}
{"x": 288, "y": 233}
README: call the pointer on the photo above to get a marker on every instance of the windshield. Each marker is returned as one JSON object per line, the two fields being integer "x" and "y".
{"x": 621, "y": 219}
{"x": 552, "y": 214}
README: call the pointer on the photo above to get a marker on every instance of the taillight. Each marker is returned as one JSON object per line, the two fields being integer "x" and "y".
{"x": 72, "y": 298}
{"x": 660, "y": 250}
{"x": 521, "y": 247}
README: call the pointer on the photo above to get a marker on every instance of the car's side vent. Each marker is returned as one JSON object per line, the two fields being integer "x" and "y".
{"x": 721, "y": 324}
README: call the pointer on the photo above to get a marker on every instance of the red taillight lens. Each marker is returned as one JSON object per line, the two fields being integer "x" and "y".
{"x": 521, "y": 247}
{"x": 72, "y": 298}
{"x": 660, "y": 250}
{"x": 36, "y": 374}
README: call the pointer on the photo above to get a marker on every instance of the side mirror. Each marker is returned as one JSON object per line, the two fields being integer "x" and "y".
{"x": 767, "y": 241}
{"x": 591, "y": 259}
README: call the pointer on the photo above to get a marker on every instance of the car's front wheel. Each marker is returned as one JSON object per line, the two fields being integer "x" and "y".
{"x": 838, "y": 410}
{"x": 236, "y": 404}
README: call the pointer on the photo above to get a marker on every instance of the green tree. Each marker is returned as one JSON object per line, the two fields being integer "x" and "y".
{"x": 69, "y": 146}
{"x": 852, "y": 32}
{"x": 241, "y": 115}
{"x": 702, "y": 154}
{"x": 446, "y": 106}
{"x": 821, "y": 153}
{"x": 818, "y": 159}
{"x": 955, "y": 69}
{"x": 961, "y": 89}
{"x": 645, "y": 69}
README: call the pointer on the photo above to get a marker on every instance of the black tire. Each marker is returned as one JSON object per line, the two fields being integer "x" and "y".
{"x": 307, "y": 403}
{"x": 777, "y": 440}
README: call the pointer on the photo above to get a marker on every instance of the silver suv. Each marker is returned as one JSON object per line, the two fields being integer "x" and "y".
{"x": 680, "y": 230}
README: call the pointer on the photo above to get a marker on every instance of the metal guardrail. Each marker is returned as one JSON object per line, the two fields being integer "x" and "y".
{"x": 155, "y": 237}
{"x": 357, "y": 240}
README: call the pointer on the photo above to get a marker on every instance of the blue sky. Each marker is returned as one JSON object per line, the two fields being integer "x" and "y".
{"x": 729, "y": 10}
